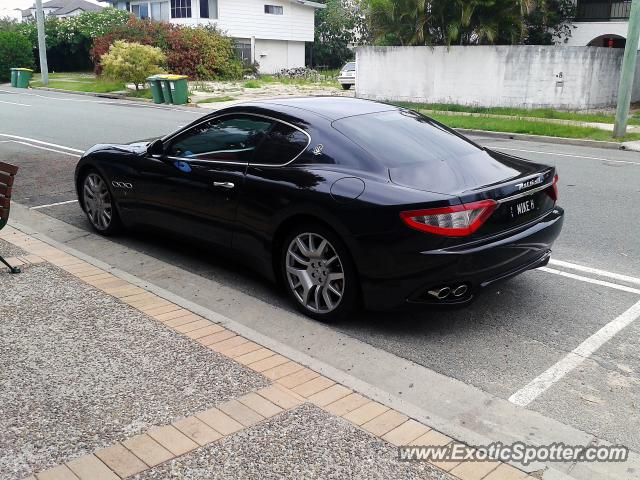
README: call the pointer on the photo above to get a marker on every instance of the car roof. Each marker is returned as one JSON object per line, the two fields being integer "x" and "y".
{"x": 331, "y": 108}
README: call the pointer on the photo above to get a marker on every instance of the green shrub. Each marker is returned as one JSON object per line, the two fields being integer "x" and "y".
{"x": 201, "y": 53}
{"x": 15, "y": 51}
{"x": 69, "y": 41}
{"x": 252, "y": 84}
{"x": 132, "y": 62}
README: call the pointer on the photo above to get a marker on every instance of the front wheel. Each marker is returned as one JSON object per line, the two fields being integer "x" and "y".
{"x": 319, "y": 274}
{"x": 98, "y": 204}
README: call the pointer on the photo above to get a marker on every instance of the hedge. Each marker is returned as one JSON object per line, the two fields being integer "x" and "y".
{"x": 15, "y": 51}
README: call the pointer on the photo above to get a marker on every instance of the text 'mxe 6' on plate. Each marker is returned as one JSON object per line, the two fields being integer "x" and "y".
{"x": 347, "y": 202}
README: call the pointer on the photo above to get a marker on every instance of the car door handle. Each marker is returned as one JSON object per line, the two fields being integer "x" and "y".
{"x": 224, "y": 184}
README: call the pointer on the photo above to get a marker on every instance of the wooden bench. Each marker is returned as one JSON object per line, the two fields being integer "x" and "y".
{"x": 7, "y": 176}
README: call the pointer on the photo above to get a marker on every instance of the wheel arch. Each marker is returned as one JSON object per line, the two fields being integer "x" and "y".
{"x": 288, "y": 223}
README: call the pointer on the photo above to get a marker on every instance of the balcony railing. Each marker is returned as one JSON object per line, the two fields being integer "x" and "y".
{"x": 599, "y": 10}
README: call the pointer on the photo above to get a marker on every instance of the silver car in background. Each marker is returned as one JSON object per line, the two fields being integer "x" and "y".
{"x": 347, "y": 75}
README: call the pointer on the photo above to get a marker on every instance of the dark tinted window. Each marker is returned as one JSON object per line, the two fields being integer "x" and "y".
{"x": 400, "y": 138}
{"x": 230, "y": 138}
{"x": 281, "y": 145}
{"x": 273, "y": 9}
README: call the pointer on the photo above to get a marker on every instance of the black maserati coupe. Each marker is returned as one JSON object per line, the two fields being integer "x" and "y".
{"x": 344, "y": 201}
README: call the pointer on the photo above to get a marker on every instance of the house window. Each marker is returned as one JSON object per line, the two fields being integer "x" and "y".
{"x": 208, "y": 8}
{"x": 140, "y": 10}
{"x": 155, "y": 10}
{"x": 180, "y": 8}
{"x": 273, "y": 9}
{"x": 243, "y": 50}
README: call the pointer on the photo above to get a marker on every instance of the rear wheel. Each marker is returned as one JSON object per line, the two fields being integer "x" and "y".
{"x": 98, "y": 204}
{"x": 318, "y": 273}
{"x": 346, "y": 86}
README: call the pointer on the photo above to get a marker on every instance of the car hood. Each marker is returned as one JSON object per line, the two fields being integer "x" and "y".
{"x": 134, "y": 147}
{"x": 457, "y": 175}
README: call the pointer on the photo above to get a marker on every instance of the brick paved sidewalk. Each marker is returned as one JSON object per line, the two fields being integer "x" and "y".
{"x": 104, "y": 380}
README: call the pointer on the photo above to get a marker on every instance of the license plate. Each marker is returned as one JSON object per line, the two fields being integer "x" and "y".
{"x": 523, "y": 207}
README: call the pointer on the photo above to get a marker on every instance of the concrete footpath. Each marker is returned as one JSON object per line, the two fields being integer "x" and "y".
{"x": 102, "y": 379}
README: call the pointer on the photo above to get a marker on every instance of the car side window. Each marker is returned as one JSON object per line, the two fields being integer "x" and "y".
{"x": 231, "y": 138}
{"x": 281, "y": 144}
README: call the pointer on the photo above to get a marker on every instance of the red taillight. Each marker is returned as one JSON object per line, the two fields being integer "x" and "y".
{"x": 553, "y": 191}
{"x": 453, "y": 221}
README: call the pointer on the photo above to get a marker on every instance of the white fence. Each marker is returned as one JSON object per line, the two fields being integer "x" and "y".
{"x": 493, "y": 76}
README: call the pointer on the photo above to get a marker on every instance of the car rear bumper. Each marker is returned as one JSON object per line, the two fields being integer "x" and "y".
{"x": 347, "y": 80}
{"x": 475, "y": 265}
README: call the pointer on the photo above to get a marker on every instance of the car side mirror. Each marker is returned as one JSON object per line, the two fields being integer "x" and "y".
{"x": 156, "y": 148}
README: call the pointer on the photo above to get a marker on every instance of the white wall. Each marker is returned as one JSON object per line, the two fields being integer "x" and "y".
{"x": 246, "y": 19}
{"x": 519, "y": 76}
{"x": 274, "y": 55}
{"x": 585, "y": 32}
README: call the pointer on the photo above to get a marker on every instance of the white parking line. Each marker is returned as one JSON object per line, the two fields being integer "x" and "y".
{"x": 541, "y": 383}
{"x": 33, "y": 140}
{"x": 595, "y": 271}
{"x": 53, "y": 204}
{"x": 602, "y": 283}
{"x": 15, "y": 103}
{"x": 41, "y": 148}
{"x": 572, "y": 155}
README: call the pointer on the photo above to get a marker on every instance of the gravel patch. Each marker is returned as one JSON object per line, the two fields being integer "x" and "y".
{"x": 304, "y": 443}
{"x": 81, "y": 371}
{"x": 10, "y": 250}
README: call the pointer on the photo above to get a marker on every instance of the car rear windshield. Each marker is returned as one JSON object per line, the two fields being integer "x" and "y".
{"x": 401, "y": 137}
{"x": 349, "y": 66}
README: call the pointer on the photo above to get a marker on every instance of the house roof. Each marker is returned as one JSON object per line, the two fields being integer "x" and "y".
{"x": 64, "y": 7}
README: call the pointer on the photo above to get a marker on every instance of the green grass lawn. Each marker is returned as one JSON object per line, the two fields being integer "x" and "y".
{"x": 225, "y": 98}
{"x": 325, "y": 78}
{"x": 519, "y": 112}
{"x": 79, "y": 82}
{"x": 530, "y": 127}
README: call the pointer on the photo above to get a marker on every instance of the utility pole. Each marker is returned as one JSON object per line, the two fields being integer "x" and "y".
{"x": 628, "y": 71}
{"x": 42, "y": 44}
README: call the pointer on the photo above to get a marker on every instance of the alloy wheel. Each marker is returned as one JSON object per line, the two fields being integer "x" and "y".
{"x": 315, "y": 273}
{"x": 97, "y": 201}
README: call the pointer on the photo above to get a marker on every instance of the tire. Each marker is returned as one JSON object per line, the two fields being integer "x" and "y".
{"x": 98, "y": 204}
{"x": 346, "y": 86}
{"x": 313, "y": 254}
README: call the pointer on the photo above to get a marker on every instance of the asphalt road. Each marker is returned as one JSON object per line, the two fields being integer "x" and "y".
{"x": 511, "y": 335}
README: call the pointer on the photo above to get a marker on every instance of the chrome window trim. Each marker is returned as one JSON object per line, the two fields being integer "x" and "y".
{"x": 175, "y": 134}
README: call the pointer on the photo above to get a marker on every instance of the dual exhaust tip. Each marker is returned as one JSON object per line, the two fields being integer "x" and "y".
{"x": 443, "y": 293}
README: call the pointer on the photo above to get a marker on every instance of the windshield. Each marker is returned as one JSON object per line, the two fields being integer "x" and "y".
{"x": 402, "y": 137}
{"x": 349, "y": 66}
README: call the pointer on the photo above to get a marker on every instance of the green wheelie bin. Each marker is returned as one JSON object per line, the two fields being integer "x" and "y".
{"x": 164, "y": 85}
{"x": 22, "y": 77}
{"x": 156, "y": 89}
{"x": 179, "y": 89}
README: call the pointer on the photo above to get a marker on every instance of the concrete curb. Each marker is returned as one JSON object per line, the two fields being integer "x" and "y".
{"x": 115, "y": 96}
{"x": 191, "y": 318}
{"x": 543, "y": 138}
{"x": 447, "y": 404}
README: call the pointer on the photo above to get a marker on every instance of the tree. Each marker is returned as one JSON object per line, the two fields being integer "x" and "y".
{"x": 69, "y": 40}
{"x": 467, "y": 22}
{"x": 132, "y": 62}
{"x": 551, "y": 23}
{"x": 337, "y": 27}
{"x": 15, "y": 51}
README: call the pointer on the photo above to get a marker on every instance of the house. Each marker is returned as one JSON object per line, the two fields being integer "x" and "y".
{"x": 270, "y": 32}
{"x": 62, "y": 9}
{"x": 600, "y": 23}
